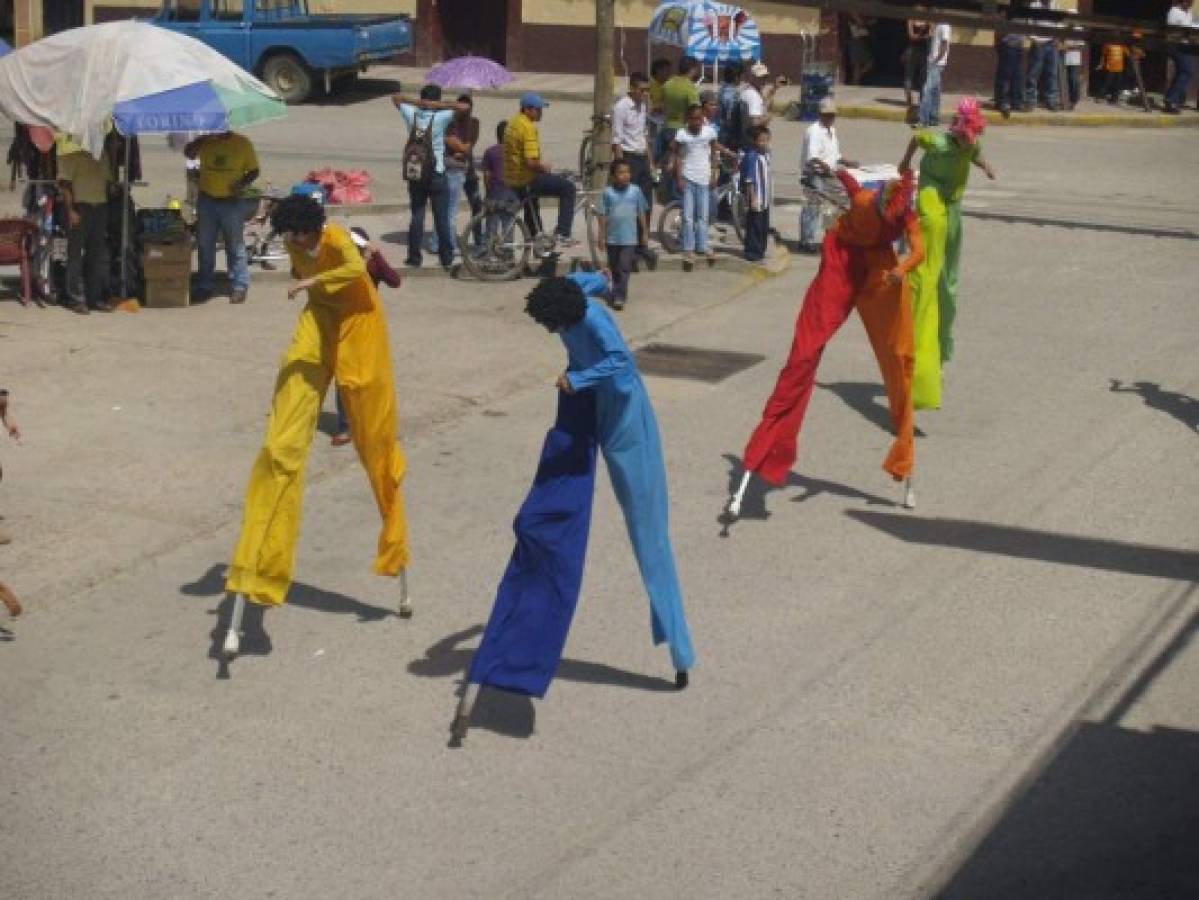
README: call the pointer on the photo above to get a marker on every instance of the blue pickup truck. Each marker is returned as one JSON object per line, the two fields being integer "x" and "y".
{"x": 288, "y": 48}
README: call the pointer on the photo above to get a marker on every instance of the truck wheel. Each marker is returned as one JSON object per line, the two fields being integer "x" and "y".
{"x": 288, "y": 77}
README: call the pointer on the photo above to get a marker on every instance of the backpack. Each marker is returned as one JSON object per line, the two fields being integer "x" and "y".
{"x": 419, "y": 159}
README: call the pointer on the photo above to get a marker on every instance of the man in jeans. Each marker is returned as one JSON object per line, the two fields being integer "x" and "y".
{"x": 84, "y": 181}
{"x": 525, "y": 171}
{"x": 938, "y": 57}
{"x": 1009, "y": 74}
{"x": 1179, "y": 16}
{"x": 1042, "y": 65}
{"x": 429, "y": 113}
{"x": 228, "y": 165}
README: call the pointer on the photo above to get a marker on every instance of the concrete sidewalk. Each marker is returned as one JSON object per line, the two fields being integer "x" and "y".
{"x": 854, "y": 102}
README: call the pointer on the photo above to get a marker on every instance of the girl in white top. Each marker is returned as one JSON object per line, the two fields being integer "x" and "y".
{"x": 696, "y": 152}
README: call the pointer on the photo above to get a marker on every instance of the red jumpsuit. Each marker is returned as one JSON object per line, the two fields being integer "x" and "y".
{"x": 857, "y": 256}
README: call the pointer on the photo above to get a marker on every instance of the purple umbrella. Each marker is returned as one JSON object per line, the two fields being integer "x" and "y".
{"x": 470, "y": 72}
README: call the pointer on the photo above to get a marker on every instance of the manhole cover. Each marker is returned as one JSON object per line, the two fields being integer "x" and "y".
{"x": 697, "y": 363}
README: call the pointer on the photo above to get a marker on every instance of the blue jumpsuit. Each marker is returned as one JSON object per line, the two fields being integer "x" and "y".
{"x": 627, "y": 432}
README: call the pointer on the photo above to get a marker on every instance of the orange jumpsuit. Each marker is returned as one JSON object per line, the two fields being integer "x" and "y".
{"x": 857, "y": 256}
{"x": 342, "y": 333}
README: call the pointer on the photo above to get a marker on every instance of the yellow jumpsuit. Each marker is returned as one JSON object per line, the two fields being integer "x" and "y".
{"x": 342, "y": 333}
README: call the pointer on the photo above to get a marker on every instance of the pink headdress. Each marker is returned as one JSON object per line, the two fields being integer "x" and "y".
{"x": 969, "y": 122}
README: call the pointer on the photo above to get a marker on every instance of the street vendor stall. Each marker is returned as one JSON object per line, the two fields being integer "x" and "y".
{"x": 137, "y": 77}
{"x": 710, "y": 32}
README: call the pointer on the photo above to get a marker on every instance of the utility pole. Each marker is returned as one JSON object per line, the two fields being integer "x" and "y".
{"x": 605, "y": 41}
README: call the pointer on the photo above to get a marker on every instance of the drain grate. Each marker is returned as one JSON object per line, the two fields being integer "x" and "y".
{"x": 696, "y": 363}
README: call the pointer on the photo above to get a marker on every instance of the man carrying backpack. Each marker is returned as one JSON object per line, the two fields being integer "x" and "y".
{"x": 423, "y": 164}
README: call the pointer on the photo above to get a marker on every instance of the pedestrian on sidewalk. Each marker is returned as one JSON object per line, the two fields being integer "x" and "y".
{"x": 1072, "y": 50}
{"x": 1180, "y": 16}
{"x": 424, "y": 162}
{"x": 678, "y": 95}
{"x": 380, "y": 272}
{"x": 1009, "y": 74}
{"x": 498, "y": 195}
{"x": 84, "y": 181}
{"x": 756, "y": 98}
{"x": 938, "y": 59}
{"x": 1043, "y": 65}
{"x": 915, "y": 64}
{"x": 623, "y": 228}
{"x": 819, "y": 158}
{"x": 14, "y": 432}
{"x": 728, "y": 96}
{"x": 631, "y": 144}
{"x": 1112, "y": 63}
{"x": 755, "y": 180}
{"x": 697, "y": 153}
{"x": 461, "y": 135}
{"x": 228, "y": 166}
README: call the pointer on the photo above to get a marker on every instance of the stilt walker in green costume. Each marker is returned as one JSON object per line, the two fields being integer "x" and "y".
{"x": 944, "y": 169}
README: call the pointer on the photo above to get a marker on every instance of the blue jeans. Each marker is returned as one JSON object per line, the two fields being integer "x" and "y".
{"x": 695, "y": 216}
{"x": 1184, "y": 68}
{"x": 1009, "y": 81}
{"x": 559, "y": 187}
{"x": 228, "y": 219}
{"x": 1042, "y": 58}
{"x": 455, "y": 180}
{"x": 437, "y": 194}
{"x": 930, "y": 97}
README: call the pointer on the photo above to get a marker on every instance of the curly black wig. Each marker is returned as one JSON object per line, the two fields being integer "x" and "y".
{"x": 557, "y": 303}
{"x": 298, "y": 215}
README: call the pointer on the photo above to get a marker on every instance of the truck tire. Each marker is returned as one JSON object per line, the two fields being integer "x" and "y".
{"x": 287, "y": 76}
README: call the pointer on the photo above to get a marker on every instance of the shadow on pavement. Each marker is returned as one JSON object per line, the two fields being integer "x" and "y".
{"x": 513, "y": 715}
{"x": 363, "y": 90}
{"x": 1028, "y": 543}
{"x": 753, "y": 504}
{"x": 1181, "y": 406}
{"x": 862, "y": 397}
{"x": 1114, "y": 814}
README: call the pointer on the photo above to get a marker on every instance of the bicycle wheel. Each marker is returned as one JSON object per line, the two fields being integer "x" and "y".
{"x": 670, "y": 227}
{"x": 504, "y": 253}
{"x": 586, "y": 158}
{"x": 592, "y": 236}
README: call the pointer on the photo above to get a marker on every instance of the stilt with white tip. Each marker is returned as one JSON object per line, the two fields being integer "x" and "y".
{"x": 734, "y": 507}
{"x": 909, "y": 494}
{"x": 405, "y": 608}
{"x": 233, "y": 637}
{"x": 462, "y": 717}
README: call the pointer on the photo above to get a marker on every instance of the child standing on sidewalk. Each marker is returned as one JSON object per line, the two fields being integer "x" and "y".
{"x": 755, "y": 181}
{"x": 622, "y": 208}
{"x": 1111, "y": 62}
{"x": 696, "y": 151}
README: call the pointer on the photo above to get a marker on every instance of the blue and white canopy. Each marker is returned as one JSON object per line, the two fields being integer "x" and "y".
{"x": 145, "y": 79}
{"x": 708, "y": 31}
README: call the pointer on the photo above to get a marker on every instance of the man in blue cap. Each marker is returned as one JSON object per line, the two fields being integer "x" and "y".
{"x": 526, "y": 173}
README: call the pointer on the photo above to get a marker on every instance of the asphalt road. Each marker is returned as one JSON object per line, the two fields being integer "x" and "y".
{"x": 993, "y": 696}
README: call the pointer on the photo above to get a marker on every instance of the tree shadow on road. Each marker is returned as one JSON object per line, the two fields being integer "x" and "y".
{"x": 255, "y": 640}
{"x": 863, "y": 397}
{"x": 753, "y": 504}
{"x": 1181, "y": 406}
{"x": 509, "y": 714}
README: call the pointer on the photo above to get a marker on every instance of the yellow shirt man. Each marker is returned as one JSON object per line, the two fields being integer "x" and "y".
{"x": 88, "y": 176}
{"x": 225, "y": 160}
{"x": 522, "y": 144}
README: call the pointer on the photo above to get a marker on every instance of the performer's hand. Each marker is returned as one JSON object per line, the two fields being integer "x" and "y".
{"x": 564, "y": 384}
{"x": 298, "y": 287}
{"x": 895, "y": 277}
{"x": 990, "y": 172}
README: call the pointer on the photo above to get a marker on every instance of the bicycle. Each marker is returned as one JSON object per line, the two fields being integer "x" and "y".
{"x": 727, "y": 195}
{"x": 508, "y": 243}
{"x": 264, "y": 245}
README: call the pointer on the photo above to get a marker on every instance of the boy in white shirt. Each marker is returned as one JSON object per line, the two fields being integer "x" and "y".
{"x": 819, "y": 158}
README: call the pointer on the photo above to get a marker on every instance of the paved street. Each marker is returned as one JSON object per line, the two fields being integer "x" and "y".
{"x": 993, "y": 696}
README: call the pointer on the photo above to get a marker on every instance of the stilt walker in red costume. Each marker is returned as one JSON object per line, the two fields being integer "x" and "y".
{"x": 859, "y": 268}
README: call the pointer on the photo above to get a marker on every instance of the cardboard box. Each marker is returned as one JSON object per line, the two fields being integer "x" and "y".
{"x": 162, "y": 293}
{"x": 166, "y": 261}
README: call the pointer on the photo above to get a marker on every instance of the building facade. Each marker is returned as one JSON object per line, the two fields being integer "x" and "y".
{"x": 559, "y": 35}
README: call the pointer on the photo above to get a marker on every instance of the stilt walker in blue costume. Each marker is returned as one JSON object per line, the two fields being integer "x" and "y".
{"x": 602, "y": 402}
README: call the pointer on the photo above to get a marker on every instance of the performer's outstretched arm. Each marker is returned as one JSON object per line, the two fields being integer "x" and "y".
{"x": 915, "y": 242}
{"x": 905, "y": 164}
{"x": 848, "y": 182}
{"x": 350, "y": 269}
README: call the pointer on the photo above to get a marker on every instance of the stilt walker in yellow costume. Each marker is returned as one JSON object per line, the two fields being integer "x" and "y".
{"x": 342, "y": 333}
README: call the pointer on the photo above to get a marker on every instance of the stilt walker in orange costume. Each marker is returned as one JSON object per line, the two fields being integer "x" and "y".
{"x": 858, "y": 268}
{"x": 342, "y": 333}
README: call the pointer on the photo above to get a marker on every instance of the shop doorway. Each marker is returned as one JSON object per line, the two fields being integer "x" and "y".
{"x": 887, "y": 40}
{"x": 1154, "y": 65}
{"x": 62, "y": 14}
{"x": 469, "y": 27}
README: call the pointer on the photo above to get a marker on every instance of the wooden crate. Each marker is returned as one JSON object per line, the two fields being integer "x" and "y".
{"x": 168, "y": 292}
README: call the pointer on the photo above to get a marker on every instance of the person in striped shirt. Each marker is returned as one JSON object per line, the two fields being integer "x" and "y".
{"x": 755, "y": 181}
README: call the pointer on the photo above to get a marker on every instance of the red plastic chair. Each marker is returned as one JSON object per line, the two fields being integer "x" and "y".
{"x": 16, "y": 249}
